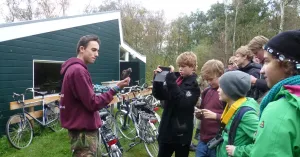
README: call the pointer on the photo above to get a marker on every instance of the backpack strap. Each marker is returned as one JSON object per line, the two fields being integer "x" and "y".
{"x": 235, "y": 123}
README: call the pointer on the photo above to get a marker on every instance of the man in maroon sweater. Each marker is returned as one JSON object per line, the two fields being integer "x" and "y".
{"x": 211, "y": 107}
{"x": 79, "y": 104}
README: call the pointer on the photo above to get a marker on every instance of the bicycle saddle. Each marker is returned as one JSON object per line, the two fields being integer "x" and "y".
{"x": 140, "y": 104}
{"x": 42, "y": 93}
{"x": 103, "y": 114}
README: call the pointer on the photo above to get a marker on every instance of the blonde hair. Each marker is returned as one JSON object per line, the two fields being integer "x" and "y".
{"x": 257, "y": 43}
{"x": 202, "y": 83}
{"x": 232, "y": 59}
{"x": 245, "y": 51}
{"x": 212, "y": 68}
{"x": 187, "y": 59}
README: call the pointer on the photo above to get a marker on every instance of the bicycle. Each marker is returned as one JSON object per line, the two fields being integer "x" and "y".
{"x": 136, "y": 120}
{"x": 150, "y": 99}
{"x": 19, "y": 130}
{"x": 108, "y": 135}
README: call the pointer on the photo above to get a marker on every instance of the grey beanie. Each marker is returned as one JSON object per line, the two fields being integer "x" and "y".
{"x": 235, "y": 84}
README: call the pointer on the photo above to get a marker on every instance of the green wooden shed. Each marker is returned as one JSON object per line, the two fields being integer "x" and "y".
{"x": 32, "y": 52}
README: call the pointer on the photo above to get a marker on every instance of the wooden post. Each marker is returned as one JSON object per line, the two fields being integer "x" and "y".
{"x": 31, "y": 109}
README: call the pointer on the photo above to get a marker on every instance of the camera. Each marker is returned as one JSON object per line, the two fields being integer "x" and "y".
{"x": 161, "y": 76}
{"x": 213, "y": 143}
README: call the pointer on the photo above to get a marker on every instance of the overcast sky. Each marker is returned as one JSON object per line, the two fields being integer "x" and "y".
{"x": 172, "y": 8}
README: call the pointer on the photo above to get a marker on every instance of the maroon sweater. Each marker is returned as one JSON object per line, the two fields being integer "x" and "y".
{"x": 79, "y": 104}
{"x": 210, "y": 101}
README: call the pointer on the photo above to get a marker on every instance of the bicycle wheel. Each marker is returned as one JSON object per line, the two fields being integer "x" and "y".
{"x": 19, "y": 131}
{"x": 126, "y": 129}
{"x": 102, "y": 146}
{"x": 116, "y": 154}
{"x": 52, "y": 114}
{"x": 150, "y": 139}
{"x": 110, "y": 120}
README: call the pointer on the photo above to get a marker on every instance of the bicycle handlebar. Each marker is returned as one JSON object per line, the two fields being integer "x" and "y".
{"x": 22, "y": 95}
{"x": 18, "y": 97}
{"x": 31, "y": 89}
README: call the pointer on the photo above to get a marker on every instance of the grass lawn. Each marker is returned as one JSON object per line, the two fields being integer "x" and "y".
{"x": 56, "y": 144}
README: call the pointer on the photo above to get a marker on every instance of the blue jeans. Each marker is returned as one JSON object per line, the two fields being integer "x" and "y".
{"x": 203, "y": 151}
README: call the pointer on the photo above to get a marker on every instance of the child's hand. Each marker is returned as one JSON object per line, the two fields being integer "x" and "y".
{"x": 172, "y": 68}
{"x": 157, "y": 70}
{"x": 253, "y": 80}
{"x": 199, "y": 111}
{"x": 209, "y": 114}
{"x": 230, "y": 150}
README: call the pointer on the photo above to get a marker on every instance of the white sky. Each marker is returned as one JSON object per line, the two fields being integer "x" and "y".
{"x": 172, "y": 8}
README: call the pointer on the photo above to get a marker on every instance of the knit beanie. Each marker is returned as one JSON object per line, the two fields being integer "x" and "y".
{"x": 235, "y": 84}
{"x": 285, "y": 46}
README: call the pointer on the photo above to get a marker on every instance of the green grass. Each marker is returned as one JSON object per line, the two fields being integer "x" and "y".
{"x": 48, "y": 144}
{"x": 56, "y": 144}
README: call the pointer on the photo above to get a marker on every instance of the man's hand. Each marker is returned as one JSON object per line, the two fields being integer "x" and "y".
{"x": 230, "y": 150}
{"x": 253, "y": 80}
{"x": 209, "y": 114}
{"x": 124, "y": 83}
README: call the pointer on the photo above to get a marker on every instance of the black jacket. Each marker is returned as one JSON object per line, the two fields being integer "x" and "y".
{"x": 176, "y": 125}
{"x": 260, "y": 87}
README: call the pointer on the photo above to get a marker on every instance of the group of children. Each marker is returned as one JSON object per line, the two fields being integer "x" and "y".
{"x": 233, "y": 122}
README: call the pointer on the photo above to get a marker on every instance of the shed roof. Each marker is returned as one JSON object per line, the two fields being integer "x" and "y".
{"x": 15, "y": 30}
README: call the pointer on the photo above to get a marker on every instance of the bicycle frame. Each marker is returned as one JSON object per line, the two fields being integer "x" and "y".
{"x": 132, "y": 115}
{"x": 110, "y": 143}
{"x": 24, "y": 112}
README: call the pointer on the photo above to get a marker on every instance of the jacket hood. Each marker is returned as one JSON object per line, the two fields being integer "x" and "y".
{"x": 70, "y": 62}
{"x": 292, "y": 94}
{"x": 251, "y": 65}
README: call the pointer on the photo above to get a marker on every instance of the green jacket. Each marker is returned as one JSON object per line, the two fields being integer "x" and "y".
{"x": 278, "y": 133}
{"x": 244, "y": 133}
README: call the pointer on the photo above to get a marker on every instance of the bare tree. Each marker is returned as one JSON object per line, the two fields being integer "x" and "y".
{"x": 46, "y": 8}
{"x": 234, "y": 27}
{"x": 64, "y": 5}
{"x": 226, "y": 27}
{"x": 27, "y": 12}
{"x": 283, "y": 3}
{"x": 90, "y": 9}
{"x": 12, "y": 6}
{"x": 107, "y": 5}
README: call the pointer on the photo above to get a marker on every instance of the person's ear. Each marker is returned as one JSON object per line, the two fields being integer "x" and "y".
{"x": 81, "y": 48}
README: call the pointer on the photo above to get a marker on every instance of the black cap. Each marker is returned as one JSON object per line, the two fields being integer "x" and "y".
{"x": 286, "y": 46}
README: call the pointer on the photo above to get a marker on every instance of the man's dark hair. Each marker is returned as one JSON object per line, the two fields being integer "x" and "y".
{"x": 84, "y": 41}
